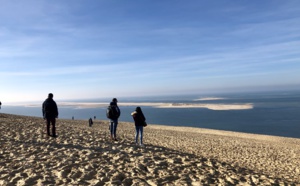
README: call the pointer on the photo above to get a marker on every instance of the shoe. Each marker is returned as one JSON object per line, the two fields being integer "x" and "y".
{"x": 54, "y": 136}
{"x": 116, "y": 139}
{"x": 142, "y": 145}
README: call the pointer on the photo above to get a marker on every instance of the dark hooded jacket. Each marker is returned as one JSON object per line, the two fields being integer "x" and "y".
{"x": 50, "y": 109}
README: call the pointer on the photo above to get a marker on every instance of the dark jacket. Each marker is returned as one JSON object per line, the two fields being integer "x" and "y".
{"x": 116, "y": 111}
{"x": 138, "y": 117}
{"x": 90, "y": 122}
{"x": 50, "y": 109}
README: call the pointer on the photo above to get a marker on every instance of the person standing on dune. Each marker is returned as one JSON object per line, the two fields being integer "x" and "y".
{"x": 90, "y": 122}
{"x": 50, "y": 112}
{"x": 140, "y": 123}
{"x": 113, "y": 113}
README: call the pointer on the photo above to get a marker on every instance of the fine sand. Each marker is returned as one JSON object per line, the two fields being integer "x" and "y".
{"x": 83, "y": 155}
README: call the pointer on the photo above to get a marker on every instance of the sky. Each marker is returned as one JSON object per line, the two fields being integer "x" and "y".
{"x": 83, "y": 49}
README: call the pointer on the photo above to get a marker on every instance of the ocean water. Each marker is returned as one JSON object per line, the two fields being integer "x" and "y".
{"x": 273, "y": 113}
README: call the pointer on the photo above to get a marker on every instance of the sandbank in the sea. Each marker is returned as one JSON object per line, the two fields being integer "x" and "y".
{"x": 83, "y": 105}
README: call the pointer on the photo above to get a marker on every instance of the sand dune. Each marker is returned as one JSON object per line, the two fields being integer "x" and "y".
{"x": 172, "y": 156}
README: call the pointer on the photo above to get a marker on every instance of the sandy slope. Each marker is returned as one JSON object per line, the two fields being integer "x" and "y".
{"x": 173, "y": 156}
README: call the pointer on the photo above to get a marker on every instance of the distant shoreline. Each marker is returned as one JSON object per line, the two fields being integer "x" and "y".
{"x": 84, "y": 105}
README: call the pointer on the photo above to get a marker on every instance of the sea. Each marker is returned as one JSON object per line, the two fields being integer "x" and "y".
{"x": 272, "y": 113}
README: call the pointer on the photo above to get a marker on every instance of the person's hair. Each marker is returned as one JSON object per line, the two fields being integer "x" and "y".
{"x": 138, "y": 109}
{"x": 50, "y": 95}
{"x": 114, "y": 100}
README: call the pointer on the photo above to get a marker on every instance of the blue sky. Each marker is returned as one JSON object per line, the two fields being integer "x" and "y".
{"x": 96, "y": 48}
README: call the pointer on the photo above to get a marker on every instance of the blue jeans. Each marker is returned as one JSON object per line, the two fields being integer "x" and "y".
{"x": 113, "y": 127}
{"x": 139, "y": 129}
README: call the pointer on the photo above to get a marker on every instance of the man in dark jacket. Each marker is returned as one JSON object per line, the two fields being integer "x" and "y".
{"x": 50, "y": 112}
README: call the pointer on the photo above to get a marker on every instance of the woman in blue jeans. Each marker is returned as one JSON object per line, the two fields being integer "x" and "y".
{"x": 139, "y": 121}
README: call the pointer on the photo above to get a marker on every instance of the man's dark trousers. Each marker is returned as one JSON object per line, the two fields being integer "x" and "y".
{"x": 52, "y": 121}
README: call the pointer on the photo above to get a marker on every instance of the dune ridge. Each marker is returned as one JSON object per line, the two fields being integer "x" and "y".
{"x": 83, "y": 155}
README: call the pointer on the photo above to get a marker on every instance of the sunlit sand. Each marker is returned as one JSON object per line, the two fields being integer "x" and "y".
{"x": 209, "y": 99}
{"x": 83, "y": 155}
